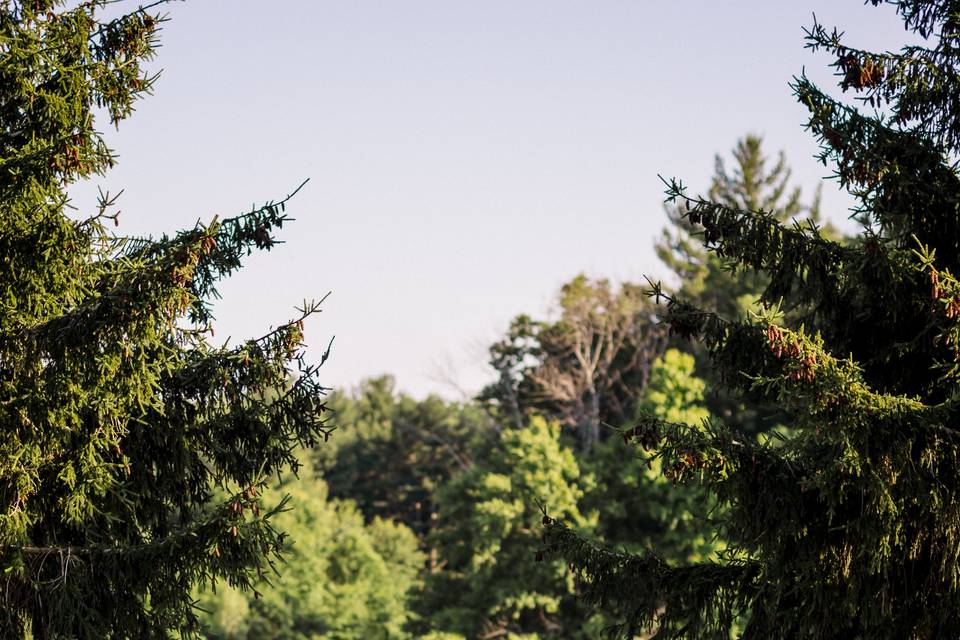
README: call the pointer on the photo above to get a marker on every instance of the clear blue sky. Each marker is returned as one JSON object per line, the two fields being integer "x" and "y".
{"x": 466, "y": 158}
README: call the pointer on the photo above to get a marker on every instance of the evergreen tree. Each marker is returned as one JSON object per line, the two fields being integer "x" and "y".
{"x": 121, "y": 419}
{"x": 847, "y": 528}
{"x": 715, "y": 283}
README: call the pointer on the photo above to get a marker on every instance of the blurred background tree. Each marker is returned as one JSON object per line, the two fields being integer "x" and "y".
{"x": 488, "y": 583}
{"x": 393, "y": 453}
{"x": 586, "y": 368}
{"x": 638, "y": 508}
{"x": 341, "y": 577}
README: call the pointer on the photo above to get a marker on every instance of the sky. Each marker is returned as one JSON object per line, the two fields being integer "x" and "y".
{"x": 465, "y": 158}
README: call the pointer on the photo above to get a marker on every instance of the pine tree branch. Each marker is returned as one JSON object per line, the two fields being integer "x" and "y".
{"x": 130, "y": 293}
{"x": 757, "y": 240}
{"x": 192, "y": 261}
{"x": 234, "y": 541}
{"x": 870, "y": 155}
{"x": 918, "y": 82}
{"x": 246, "y": 393}
{"x": 945, "y": 296}
{"x": 923, "y": 16}
{"x": 225, "y": 243}
{"x": 700, "y": 600}
{"x": 708, "y": 453}
{"x": 792, "y": 367}
{"x": 734, "y": 467}
{"x": 186, "y": 534}
{"x": 821, "y": 281}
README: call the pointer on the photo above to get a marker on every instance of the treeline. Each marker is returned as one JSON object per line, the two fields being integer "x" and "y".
{"x": 423, "y": 518}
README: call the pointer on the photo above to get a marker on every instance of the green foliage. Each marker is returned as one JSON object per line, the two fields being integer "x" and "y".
{"x": 489, "y": 522}
{"x": 847, "y": 526}
{"x": 712, "y": 280}
{"x": 470, "y": 492}
{"x": 707, "y": 279}
{"x": 120, "y": 418}
{"x": 341, "y": 579}
{"x": 674, "y": 393}
{"x": 392, "y": 452}
{"x": 639, "y": 509}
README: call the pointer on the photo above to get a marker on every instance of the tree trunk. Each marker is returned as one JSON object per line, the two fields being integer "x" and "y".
{"x": 589, "y": 426}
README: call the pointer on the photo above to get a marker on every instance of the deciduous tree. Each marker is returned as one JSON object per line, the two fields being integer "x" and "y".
{"x": 638, "y": 508}
{"x": 341, "y": 577}
{"x": 393, "y": 452}
{"x": 488, "y": 583}
{"x": 587, "y": 367}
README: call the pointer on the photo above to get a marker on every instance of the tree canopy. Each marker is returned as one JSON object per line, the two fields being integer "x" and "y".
{"x": 490, "y": 584}
{"x": 341, "y": 578}
{"x": 586, "y": 368}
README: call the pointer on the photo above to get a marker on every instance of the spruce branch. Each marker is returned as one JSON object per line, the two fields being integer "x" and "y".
{"x": 918, "y": 82}
{"x": 793, "y": 367}
{"x": 797, "y": 259}
{"x": 700, "y": 600}
{"x": 870, "y": 156}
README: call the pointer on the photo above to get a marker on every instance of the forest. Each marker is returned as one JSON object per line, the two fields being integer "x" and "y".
{"x": 425, "y": 516}
{"x": 762, "y": 446}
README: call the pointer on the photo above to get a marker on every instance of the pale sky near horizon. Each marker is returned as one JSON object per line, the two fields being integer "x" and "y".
{"x": 465, "y": 158}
